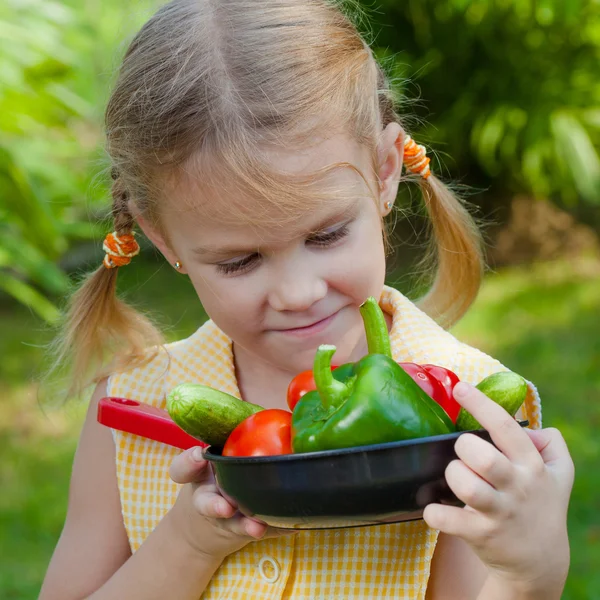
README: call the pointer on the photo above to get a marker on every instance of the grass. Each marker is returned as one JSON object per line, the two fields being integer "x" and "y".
{"x": 541, "y": 321}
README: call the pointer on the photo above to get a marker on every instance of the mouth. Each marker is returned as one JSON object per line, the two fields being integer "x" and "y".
{"x": 310, "y": 329}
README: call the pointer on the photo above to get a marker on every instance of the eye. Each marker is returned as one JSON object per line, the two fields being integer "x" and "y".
{"x": 237, "y": 267}
{"x": 329, "y": 237}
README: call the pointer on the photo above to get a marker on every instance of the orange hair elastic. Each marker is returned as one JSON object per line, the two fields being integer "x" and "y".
{"x": 119, "y": 249}
{"x": 415, "y": 158}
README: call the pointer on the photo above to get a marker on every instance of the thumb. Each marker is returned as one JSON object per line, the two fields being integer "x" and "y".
{"x": 189, "y": 467}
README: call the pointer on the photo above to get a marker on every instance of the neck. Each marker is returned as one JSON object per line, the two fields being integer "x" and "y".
{"x": 260, "y": 382}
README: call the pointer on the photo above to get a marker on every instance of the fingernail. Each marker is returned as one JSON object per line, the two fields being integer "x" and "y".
{"x": 461, "y": 389}
{"x": 197, "y": 454}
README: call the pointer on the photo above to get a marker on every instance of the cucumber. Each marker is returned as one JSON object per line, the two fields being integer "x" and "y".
{"x": 505, "y": 388}
{"x": 207, "y": 414}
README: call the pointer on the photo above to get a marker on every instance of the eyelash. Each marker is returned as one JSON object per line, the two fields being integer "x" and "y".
{"x": 322, "y": 240}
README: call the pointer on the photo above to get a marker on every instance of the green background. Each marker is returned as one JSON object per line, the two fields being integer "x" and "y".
{"x": 505, "y": 93}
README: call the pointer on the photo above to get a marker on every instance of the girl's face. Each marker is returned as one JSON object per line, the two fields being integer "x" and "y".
{"x": 277, "y": 294}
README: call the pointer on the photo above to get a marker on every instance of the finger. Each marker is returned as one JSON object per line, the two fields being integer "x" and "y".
{"x": 549, "y": 443}
{"x": 209, "y": 503}
{"x": 470, "y": 488}
{"x": 240, "y": 525}
{"x": 452, "y": 520}
{"x": 484, "y": 460}
{"x": 255, "y": 529}
{"x": 553, "y": 449}
{"x": 189, "y": 466}
{"x": 506, "y": 433}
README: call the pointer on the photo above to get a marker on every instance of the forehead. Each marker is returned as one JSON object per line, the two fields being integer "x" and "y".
{"x": 298, "y": 184}
{"x": 317, "y": 155}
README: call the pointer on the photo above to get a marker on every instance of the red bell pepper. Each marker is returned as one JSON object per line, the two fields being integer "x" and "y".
{"x": 265, "y": 433}
{"x": 437, "y": 382}
{"x": 429, "y": 384}
{"x": 448, "y": 379}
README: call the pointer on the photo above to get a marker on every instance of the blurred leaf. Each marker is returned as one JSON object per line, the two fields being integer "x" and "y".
{"x": 488, "y": 138}
{"x": 592, "y": 117}
{"x": 29, "y": 261}
{"x": 575, "y": 146}
{"x": 30, "y": 297}
{"x": 83, "y": 230}
{"x": 72, "y": 101}
{"x": 28, "y": 206}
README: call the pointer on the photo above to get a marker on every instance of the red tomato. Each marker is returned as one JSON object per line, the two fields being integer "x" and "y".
{"x": 265, "y": 433}
{"x": 448, "y": 379}
{"x": 301, "y": 384}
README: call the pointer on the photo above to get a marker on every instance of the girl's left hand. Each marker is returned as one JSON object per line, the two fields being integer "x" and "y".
{"x": 516, "y": 496}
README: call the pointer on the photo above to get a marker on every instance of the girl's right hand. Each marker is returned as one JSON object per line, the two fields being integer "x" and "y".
{"x": 210, "y": 523}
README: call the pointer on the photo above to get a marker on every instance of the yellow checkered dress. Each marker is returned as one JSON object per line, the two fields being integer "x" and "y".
{"x": 386, "y": 561}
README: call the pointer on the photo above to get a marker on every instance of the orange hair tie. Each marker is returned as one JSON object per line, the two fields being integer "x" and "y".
{"x": 119, "y": 249}
{"x": 415, "y": 158}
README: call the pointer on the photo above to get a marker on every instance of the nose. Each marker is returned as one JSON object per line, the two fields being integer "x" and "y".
{"x": 296, "y": 288}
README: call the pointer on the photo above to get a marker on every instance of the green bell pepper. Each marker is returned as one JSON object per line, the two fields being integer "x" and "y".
{"x": 369, "y": 402}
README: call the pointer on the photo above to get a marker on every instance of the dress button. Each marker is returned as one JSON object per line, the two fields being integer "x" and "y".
{"x": 269, "y": 569}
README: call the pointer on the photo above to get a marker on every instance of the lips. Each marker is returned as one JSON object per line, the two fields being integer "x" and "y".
{"x": 314, "y": 327}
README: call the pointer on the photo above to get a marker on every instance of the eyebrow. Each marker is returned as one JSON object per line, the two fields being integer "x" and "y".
{"x": 346, "y": 215}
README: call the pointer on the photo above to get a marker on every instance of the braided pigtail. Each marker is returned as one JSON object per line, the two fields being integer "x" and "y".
{"x": 101, "y": 333}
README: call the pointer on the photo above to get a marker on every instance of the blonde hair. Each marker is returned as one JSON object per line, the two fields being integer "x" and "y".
{"x": 203, "y": 86}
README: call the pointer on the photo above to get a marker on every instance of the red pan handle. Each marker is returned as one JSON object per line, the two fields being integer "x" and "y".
{"x": 144, "y": 420}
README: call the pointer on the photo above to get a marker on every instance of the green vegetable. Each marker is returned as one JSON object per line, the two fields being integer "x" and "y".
{"x": 505, "y": 388}
{"x": 377, "y": 401}
{"x": 208, "y": 414}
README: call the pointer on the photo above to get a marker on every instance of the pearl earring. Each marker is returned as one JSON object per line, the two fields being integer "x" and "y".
{"x": 177, "y": 265}
{"x": 388, "y": 205}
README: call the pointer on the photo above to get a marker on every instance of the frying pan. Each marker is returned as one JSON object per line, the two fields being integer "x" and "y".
{"x": 350, "y": 487}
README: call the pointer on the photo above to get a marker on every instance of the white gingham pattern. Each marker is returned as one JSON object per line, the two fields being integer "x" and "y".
{"x": 388, "y": 561}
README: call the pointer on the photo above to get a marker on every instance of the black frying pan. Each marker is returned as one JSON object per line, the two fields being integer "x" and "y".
{"x": 367, "y": 485}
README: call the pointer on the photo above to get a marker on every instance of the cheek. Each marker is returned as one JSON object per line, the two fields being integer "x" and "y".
{"x": 233, "y": 304}
{"x": 362, "y": 272}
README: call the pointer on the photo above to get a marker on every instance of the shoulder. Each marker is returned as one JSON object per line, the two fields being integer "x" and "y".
{"x": 144, "y": 376}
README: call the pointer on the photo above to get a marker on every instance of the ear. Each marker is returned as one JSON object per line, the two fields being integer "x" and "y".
{"x": 157, "y": 238}
{"x": 390, "y": 154}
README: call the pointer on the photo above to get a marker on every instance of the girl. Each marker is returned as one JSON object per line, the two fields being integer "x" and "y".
{"x": 256, "y": 145}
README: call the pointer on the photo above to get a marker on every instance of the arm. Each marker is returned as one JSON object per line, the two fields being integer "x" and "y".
{"x": 456, "y": 571}
{"x": 93, "y": 558}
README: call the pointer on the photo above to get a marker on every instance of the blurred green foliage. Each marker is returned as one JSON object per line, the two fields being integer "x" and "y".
{"x": 509, "y": 97}
{"x": 510, "y": 89}
{"x": 39, "y": 116}
{"x": 55, "y": 61}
